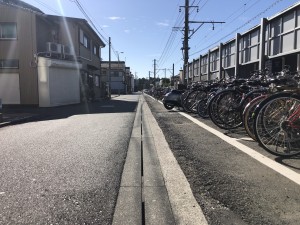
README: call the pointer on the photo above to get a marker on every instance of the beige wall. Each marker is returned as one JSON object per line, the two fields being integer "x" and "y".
{"x": 22, "y": 49}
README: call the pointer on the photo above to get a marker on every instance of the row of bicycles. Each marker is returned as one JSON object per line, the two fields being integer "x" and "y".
{"x": 266, "y": 105}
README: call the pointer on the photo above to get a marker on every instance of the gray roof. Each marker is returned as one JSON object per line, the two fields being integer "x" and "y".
{"x": 21, "y": 4}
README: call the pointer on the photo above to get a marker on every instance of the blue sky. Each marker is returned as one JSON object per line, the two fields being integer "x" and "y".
{"x": 143, "y": 29}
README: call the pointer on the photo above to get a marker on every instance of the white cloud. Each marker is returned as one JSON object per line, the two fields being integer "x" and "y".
{"x": 105, "y": 26}
{"x": 116, "y": 18}
{"x": 163, "y": 24}
{"x": 127, "y": 31}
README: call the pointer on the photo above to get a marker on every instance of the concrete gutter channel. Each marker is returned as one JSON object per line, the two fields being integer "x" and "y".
{"x": 153, "y": 188}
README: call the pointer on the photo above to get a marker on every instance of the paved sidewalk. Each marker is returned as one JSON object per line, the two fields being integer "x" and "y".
{"x": 11, "y": 116}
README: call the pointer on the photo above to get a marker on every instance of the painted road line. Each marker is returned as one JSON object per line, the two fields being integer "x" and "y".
{"x": 288, "y": 173}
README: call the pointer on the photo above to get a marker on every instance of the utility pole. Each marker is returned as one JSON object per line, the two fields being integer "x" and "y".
{"x": 186, "y": 38}
{"x": 186, "y": 43}
{"x": 154, "y": 72}
{"x": 173, "y": 77}
{"x": 109, "y": 68}
{"x": 149, "y": 79}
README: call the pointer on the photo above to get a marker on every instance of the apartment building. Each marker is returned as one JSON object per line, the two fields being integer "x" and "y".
{"x": 273, "y": 43}
{"x": 47, "y": 60}
{"x": 117, "y": 77}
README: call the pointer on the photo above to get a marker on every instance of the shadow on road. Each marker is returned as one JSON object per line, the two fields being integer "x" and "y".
{"x": 23, "y": 114}
{"x": 287, "y": 161}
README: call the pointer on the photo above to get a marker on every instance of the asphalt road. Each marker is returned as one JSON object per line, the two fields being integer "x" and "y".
{"x": 65, "y": 168}
{"x": 231, "y": 186}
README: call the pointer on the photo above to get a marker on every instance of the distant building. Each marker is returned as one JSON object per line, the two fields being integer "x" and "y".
{"x": 118, "y": 76}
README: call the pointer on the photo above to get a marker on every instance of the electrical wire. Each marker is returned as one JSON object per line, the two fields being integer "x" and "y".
{"x": 80, "y": 7}
{"x": 165, "y": 55}
{"x": 48, "y": 7}
{"x": 235, "y": 30}
{"x": 210, "y": 34}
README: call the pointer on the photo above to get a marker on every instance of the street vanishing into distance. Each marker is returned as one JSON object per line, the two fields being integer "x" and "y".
{"x": 66, "y": 168}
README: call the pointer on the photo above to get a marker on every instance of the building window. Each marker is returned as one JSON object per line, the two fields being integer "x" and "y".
{"x": 8, "y": 31}
{"x": 204, "y": 65}
{"x": 84, "y": 39}
{"x": 9, "y": 64}
{"x": 228, "y": 55}
{"x": 96, "y": 50}
{"x": 214, "y": 59}
{"x": 86, "y": 42}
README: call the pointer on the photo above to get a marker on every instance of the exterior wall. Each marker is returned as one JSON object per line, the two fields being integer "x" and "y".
{"x": 91, "y": 61}
{"x": 45, "y": 32}
{"x": 22, "y": 49}
{"x": 273, "y": 43}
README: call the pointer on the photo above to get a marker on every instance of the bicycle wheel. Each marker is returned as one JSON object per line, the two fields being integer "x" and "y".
{"x": 277, "y": 124}
{"x": 199, "y": 96}
{"x": 224, "y": 109}
{"x": 248, "y": 115}
{"x": 190, "y": 102}
{"x": 202, "y": 108}
{"x": 183, "y": 99}
{"x": 249, "y": 97}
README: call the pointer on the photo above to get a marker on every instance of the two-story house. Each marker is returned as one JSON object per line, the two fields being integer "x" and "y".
{"x": 47, "y": 60}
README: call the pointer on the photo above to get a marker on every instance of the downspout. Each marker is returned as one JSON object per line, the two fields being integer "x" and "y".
{"x": 237, "y": 54}
{"x": 262, "y": 38}
{"x": 220, "y": 61}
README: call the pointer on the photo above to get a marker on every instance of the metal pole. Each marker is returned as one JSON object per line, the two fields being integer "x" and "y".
{"x": 186, "y": 43}
{"x": 155, "y": 73}
{"x": 109, "y": 70}
{"x": 173, "y": 77}
{"x": 1, "y": 117}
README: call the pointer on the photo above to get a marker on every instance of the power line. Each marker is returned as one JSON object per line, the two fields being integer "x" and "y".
{"x": 234, "y": 31}
{"x": 228, "y": 23}
{"x": 93, "y": 25}
{"x": 170, "y": 42}
{"x": 48, "y": 7}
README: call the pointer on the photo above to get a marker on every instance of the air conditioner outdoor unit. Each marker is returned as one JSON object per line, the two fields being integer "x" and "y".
{"x": 53, "y": 48}
{"x": 67, "y": 50}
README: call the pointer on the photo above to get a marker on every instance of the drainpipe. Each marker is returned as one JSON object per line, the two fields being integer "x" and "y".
{"x": 262, "y": 38}
{"x": 220, "y": 62}
{"x": 237, "y": 55}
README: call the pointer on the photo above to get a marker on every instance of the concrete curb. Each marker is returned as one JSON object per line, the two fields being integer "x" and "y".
{"x": 186, "y": 209}
{"x": 18, "y": 120}
{"x": 154, "y": 189}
